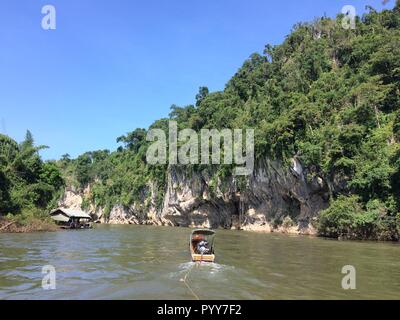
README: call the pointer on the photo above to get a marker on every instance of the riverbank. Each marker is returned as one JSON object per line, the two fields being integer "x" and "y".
{"x": 9, "y": 225}
{"x": 269, "y": 228}
{"x": 256, "y": 227}
{"x": 39, "y": 225}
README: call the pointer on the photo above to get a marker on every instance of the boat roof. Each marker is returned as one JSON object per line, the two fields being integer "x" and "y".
{"x": 70, "y": 213}
{"x": 203, "y": 231}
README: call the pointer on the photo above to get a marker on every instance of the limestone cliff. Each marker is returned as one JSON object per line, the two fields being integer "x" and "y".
{"x": 274, "y": 192}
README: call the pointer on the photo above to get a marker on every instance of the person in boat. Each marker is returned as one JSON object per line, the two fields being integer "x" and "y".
{"x": 203, "y": 247}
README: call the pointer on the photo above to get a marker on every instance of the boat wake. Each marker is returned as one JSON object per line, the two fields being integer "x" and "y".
{"x": 204, "y": 269}
{"x": 211, "y": 267}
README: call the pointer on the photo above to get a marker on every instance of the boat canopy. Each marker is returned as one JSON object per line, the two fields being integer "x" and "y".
{"x": 206, "y": 232}
{"x": 203, "y": 234}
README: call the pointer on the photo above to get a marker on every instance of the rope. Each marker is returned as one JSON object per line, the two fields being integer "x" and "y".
{"x": 187, "y": 284}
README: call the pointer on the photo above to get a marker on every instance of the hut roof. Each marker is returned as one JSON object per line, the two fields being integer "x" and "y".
{"x": 70, "y": 213}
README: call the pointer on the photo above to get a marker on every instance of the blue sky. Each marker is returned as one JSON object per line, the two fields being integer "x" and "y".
{"x": 114, "y": 65}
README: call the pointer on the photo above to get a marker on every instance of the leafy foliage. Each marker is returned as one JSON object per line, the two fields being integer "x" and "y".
{"x": 329, "y": 96}
{"x": 346, "y": 218}
{"x": 27, "y": 184}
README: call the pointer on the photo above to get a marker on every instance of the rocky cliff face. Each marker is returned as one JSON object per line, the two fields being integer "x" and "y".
{"x": 274, "y": 192}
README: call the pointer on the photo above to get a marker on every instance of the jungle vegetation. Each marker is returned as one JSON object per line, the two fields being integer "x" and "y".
{"x": 29, "y": 187}
{"x": 329, "y": 96}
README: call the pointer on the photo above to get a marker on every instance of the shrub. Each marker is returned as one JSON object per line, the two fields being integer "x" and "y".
{"x": 338, "y": 219}
{"x": 287, "y": 222}
{"x": 345, "y": 218}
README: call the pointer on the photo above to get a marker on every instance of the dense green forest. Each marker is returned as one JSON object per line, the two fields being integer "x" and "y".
{"x": 327, "y": 95}
{"x": 29, "y": 187}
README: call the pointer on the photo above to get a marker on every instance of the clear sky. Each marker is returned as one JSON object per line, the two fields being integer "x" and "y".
{"x": 114, "y": 65}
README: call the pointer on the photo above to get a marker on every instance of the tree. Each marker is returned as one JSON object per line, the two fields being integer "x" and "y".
{"x": 83, "y": 167}
{"x": 28, "y": 142}
{"x": 26, "y": 182}
{"x": 396, "y": 126}
{"x": 203, "y": 93}
{"x": 51, "y": 175}
{"x": 133, "y": 140}
{"x": 66, "y": 157}
{"x": 5, "y": 198}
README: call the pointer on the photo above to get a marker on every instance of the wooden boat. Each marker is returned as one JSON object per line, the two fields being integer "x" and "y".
{"x": 200, "y": 239}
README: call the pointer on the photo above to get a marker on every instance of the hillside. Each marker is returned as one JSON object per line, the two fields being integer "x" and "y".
{"x": 325, "y": 106}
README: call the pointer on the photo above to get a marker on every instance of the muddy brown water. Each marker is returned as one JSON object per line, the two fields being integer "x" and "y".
{"x": 144, "y": 262}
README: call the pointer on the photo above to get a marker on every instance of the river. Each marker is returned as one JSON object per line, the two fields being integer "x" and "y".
{"x": 145, "y": 262}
